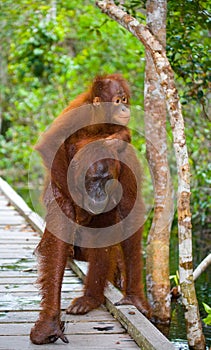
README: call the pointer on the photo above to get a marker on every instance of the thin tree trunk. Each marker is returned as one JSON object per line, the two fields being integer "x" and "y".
{"x": 193, "y": 323}
{"x": 157, "y": 262}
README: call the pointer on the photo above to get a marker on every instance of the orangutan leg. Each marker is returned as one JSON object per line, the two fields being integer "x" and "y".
{"x": 134, "y": 286}
{"x": 99, "y": 261}
{"x": 53, "y": 254}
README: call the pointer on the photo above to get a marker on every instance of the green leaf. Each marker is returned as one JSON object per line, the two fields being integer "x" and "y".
{"x": 207, "y": 308}
{"x": 207, "y": 320}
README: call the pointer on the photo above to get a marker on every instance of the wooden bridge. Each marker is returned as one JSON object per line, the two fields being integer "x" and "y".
{"x": 20, "y": 230}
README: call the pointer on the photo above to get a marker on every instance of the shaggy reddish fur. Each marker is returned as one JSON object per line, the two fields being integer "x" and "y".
{"x": 57, "y": 147}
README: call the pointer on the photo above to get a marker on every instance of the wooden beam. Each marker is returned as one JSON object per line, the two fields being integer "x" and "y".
{"x": 20, "y": 205}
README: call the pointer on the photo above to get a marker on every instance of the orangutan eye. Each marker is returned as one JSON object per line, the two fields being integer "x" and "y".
{"x": 117, "y": 101}
{"x": 124, "y": 99}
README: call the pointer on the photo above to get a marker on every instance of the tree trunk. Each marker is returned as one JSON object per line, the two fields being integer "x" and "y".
{"x": 157, "y": 262}
{"x": 193, "y": 323}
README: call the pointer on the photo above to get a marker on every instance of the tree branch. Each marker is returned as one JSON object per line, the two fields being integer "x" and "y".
{"x": 163, "y": 67}
{"x": 202, "y": 266}
{"x": 195, "y": 338}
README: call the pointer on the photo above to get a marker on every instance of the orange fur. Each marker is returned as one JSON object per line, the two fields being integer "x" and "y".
{"x": 58, "y": 146}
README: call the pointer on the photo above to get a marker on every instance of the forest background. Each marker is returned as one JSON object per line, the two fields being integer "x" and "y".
{"x": 51, "y": 50}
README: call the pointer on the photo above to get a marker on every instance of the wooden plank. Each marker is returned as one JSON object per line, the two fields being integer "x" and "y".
{"x": 4, "y": 201}
{"x": 77, "y": 342}
{"x": 17, "y": 264}
{"x": 24, "y": 247}
{"x": 4, "y": 281}
{"x": 11, "y": 220}
{"x": 95, "y": 327}
{"x": 24, "y": 244}
{"x": 19, "y": 288}
{"x": 30, "y": 279}
{"x": 35, "y": 220}
{"x": 7, "y": 211}
{"x": 24, "y": 231}
{"x": 18, "y": 254}
{"x": 31, "y": 301}
{"x": 11, "y": 302}
{"x": 100, "y": 314}
{"x": 18, "y": 232}
{"x": 25, "y": 227}
{"x": 18, "y": 273}
{"x": 29, "y": 241}
{"x": 140, "y": 328}
{"x": 28, "y": 273}
{"x": 6, "y": 234}
{"x": 13, "y": 197}
{"x": 5, "y": 207}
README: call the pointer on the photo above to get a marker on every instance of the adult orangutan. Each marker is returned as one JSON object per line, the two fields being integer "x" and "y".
{"x": 86, "y": 153}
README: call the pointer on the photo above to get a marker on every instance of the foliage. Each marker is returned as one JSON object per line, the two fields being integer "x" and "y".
{"x": 51, "y": 54}
{"x": 188, "y": 48}
{"x": 175, "y": 278}
{"x": 199, "y": 140}
{"x": 50, "y": 51}
{"x": 188, "y": 52}
{"x": 207, "y": 320}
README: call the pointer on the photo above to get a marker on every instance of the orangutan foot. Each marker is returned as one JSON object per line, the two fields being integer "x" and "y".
{"x": 48, "y": 331}
{"x": 141, "y": 304}
{"x": 82, "y": 305}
